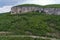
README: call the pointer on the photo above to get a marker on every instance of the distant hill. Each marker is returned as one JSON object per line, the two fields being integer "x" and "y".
{"x": 29, "y": 5}
{"x": 51, "y": 5}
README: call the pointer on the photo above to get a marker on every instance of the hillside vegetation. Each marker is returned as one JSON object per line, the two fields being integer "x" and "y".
{"x": 30, "y": 5}
{"x": 45, "y": 6}
{"x": 53, "y": 5}
{"x": 31, "y": 23}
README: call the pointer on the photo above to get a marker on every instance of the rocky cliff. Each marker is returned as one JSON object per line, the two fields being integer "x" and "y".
{"x": 34, "y": 8}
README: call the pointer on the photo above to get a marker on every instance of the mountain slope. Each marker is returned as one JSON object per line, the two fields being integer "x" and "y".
{"x": 31, "y": 24}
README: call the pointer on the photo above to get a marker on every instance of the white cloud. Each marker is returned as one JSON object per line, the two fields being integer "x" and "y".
{"x": 40, "y": 2}
{"x": 5, "y": 9}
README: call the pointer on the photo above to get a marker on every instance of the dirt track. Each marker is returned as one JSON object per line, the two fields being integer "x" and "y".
{"x": 30, "y": 36}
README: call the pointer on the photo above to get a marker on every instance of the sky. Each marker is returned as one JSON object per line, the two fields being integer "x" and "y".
{"x": 5, "y": 5}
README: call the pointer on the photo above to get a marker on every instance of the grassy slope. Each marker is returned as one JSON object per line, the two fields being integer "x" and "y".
{"x": 30, "y": 5}
{"x": 46, "y": 6}
{"x": 53, "y": 5}
{"x": 30, "y": 24}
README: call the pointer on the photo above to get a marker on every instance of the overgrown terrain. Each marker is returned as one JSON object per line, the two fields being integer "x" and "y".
{"x": 31, "y": 23}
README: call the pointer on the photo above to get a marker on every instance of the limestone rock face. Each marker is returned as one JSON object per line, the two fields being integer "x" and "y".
{"x": 24, "y": 9}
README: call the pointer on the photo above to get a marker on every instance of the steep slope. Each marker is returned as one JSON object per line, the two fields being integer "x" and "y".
{"x": 31, "y": 24}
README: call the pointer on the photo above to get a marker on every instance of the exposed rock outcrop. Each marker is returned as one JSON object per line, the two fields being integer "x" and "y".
{"x": 24, "y": 9}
